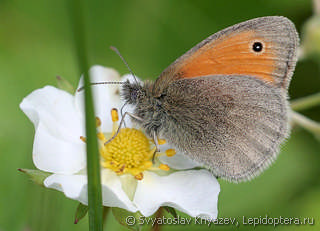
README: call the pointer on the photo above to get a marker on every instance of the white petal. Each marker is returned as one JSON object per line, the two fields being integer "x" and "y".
{"x": 56, "y": 109}
{"x": 52, "y": 154}
{"x": 75, "y": 187}
{"x": 57, "y": 145}
{"x": 194, "y": 192}
{"x": 178, "y": 161}
{"x": 131, "y": 78}
{"x": 106, "y": 96}
{"x": 113, "y": 194}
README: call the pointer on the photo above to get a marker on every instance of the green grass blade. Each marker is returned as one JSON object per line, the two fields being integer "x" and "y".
{"x": 93, "y": 163}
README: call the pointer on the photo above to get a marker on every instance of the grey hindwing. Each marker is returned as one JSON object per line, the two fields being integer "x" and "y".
{"x": 234, "y": 125}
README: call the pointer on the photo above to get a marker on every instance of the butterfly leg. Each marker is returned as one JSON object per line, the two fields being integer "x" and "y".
{"x": 121, "y": 113}
{"x": 121, "y": 124}
{"x": 155, "y": 140}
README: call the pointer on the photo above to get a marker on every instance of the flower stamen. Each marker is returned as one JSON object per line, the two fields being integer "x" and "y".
{"x": 161, "y": 141}
{"x": 164, "y": 167}
{"x": 139, "y": 176}
{"x": 84, "y": 139}
{"x": 114, "y": 115}
{"x": 170, "y": 152}
{"x": 101, "y": 136}
{"x": 98, "y": 122}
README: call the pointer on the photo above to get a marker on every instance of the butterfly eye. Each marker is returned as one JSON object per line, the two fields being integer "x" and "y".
{"x": 257, "y": 46}
{"x": 134, "y": 95}
{"x": 158, "y": 104}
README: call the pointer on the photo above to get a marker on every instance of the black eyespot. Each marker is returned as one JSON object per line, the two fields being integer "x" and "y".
{"x": 257, "y": 46}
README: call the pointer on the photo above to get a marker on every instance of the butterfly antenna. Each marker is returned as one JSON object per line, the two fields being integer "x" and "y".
{"x": 101, "y": 83}
{"x": 125, "y": 62}
{"x": 114, "y": 82}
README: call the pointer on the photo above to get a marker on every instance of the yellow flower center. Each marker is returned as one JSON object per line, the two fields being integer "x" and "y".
{"x": 129, "y": 152}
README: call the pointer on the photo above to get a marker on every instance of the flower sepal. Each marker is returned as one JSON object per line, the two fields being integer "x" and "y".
{"x": 171, "y": 211}
{"x": 127, "y": 219}
{"x": 65, "y": 85}
{"x": 81, "y": 212}
{"x": 37, "y": 176}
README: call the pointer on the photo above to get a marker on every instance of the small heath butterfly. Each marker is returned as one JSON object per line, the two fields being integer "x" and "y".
{"x": 224, "y": 103}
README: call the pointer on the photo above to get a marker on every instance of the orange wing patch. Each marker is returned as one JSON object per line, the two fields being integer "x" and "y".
{"x": 232, "y": 55}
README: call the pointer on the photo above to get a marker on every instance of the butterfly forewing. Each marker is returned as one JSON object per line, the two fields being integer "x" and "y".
{"x": 232, "y": 52}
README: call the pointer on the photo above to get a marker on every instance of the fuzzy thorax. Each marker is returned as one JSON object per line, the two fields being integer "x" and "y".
{"x": 146, "y": 105}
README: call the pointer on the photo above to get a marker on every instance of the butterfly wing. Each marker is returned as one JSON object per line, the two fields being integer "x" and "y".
{"x": 232, "y": 124}
{"x": 230, "y": 52}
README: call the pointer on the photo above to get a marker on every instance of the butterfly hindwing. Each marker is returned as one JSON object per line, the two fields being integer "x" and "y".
{"x": 232, "y": 124}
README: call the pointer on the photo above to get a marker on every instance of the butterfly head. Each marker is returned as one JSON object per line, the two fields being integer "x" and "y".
{"x": 132, "y": 93}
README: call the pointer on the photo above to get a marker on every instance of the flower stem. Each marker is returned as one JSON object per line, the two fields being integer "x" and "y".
{"x": 306, "y": 102}
{"x": 316, "y": 6}
{"x": 306, "y": 123}
{"x": 93, "y": 163}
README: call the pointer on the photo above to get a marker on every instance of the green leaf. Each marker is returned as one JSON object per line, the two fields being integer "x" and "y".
{"x": 127, "y": 219}
{"x": 64, "y": 84}
{"x": 77, "y": 10}
{"x": 81, "y": 212}
{"x": 37, "y": 176}
{"x": 171, "y": 210}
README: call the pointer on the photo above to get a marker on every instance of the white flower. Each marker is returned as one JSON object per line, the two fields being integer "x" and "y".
{"x": 59, "y": 123}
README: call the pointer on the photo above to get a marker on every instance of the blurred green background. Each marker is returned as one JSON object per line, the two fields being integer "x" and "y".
{"x": 36, "y": 44}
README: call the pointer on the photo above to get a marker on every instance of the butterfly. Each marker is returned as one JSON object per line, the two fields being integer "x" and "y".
{"x": 224, "y": 103}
